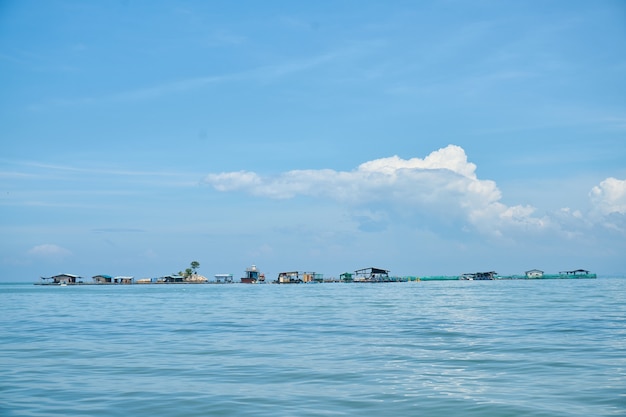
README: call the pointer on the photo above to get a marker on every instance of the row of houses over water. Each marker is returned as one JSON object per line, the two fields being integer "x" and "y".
{"x": 71, "y": 279}
{"x": 253, "y": 276}
{"x": 531, "y": 274}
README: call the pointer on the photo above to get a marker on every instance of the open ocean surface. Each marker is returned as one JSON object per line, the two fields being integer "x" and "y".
{"x": 457, "y": 348}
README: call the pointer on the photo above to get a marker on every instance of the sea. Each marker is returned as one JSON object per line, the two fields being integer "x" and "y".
{"x": 441, "y": 348}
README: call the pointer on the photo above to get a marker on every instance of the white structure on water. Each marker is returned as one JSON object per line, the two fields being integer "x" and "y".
{"x": 534, "y": 273}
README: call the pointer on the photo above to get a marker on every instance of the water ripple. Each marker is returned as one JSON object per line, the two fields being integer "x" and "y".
{"x": 541, "y": 348}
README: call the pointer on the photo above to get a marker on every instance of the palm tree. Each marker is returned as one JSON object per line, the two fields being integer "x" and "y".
{"x": 195, "y": 265}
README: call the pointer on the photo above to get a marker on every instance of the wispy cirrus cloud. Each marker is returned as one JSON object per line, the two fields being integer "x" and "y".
{"x": 34, "y": 170}
{"x": 93, "y": 169}
{"x": 225, "y": 38}
{"x": 264, "y": 73}
{"x": 118, "y": 230}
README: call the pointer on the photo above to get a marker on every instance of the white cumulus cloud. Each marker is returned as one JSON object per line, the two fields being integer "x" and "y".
{"x": 608, "y": 201}
{"x": 441, "y": 185}
{"x": 609, "y": 196}
{"x": 606, "y": 213}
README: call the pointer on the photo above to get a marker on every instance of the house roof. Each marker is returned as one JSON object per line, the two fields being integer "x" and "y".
{"x": 65, "y": 275}
{"x": 372, "y": 270}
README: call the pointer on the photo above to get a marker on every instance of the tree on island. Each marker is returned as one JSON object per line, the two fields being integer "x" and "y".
{"x": 191, "y": 270}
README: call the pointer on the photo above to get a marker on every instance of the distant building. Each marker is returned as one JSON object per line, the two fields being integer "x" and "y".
{"x": 63, "y": 279}
{"x": 291, "y": 277}
{"x": 534, "y": 273}
{"x": 123, "y": 280}
{"x": 108, "y": 279}
{"x": 575, "y": 273}
{"x": 480, "y": 276}
{"x": 297, "y": 277}
{"x": 171, "y": 278}
{"x": 371, "y": 275}
{"x": 346, "y": 277}
{"x": 102, "y": 279}
{"x": 224, "y": 278}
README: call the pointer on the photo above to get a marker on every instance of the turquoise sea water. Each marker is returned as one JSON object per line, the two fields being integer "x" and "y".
{"x": 458, "y": 348}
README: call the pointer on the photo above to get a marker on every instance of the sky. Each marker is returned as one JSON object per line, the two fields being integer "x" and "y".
{"x": 426, "y": 138}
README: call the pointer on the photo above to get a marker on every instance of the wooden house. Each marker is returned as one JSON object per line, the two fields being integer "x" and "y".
{"x": 346, "y": 277}
{"x": 534, "y": 273}
{"x": 371, "y": 275}
{"x": 102, "y": 279}
{"x": 297, "y": 277}
{"x": 480, "y": 276}
{"x": 485, "y": 275}
{"x": 577, "y": 273}
{"x": 123, "y": 280}
{"x": 291, "y": 277}
{"x": 224, "y": 278}
{"x": 171, "y": 279}
{"x": 63, "y": 279}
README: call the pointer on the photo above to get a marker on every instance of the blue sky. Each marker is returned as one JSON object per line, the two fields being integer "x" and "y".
{"x": 435, "y": 137}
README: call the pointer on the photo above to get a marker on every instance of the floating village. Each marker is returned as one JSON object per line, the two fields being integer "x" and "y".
{"x": 253, "y": 276}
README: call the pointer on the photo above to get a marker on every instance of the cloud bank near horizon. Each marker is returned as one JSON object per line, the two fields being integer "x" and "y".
{"x": 443, "y": 187}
